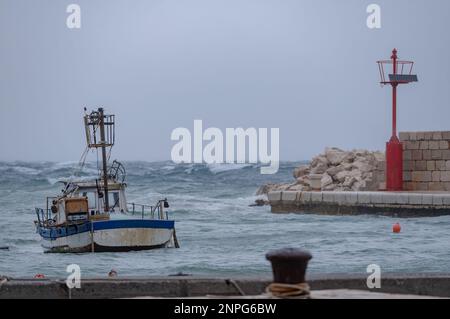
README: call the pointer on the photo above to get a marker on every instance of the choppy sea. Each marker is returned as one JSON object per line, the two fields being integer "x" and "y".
{"x": 219, "y": 234}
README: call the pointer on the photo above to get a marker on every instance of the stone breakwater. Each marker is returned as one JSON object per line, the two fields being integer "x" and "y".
{"x": 394, "y": 204}
{"x": 337, "y": 170}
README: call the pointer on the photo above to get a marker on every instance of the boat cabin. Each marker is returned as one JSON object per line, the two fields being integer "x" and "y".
{"x": 86, "y": 202}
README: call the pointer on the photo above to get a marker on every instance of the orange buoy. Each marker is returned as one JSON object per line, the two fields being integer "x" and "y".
{"x": 39, "y": 276}
{"x": 397, "y": 228}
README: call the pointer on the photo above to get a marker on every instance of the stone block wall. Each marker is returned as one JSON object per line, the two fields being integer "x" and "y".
{"x": 426, "y": 161}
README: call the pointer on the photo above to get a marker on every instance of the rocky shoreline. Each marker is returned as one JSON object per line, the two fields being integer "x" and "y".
{"x": 335, "y": 170}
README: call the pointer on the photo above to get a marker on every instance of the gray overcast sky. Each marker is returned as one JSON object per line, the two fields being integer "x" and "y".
{"x": 307, "y": 67}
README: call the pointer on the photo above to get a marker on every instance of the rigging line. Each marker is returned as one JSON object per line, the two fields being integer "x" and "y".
{"x": 76, "y": 170}
{"x": 109, "y": 153}
{"x": 82, "y": 161}
{"x": 98, "y": 168}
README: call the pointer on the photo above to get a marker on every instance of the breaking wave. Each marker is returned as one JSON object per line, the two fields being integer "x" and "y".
{"x": 220, "y": 168}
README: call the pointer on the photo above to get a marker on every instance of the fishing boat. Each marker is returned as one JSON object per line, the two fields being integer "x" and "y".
{"x": 94, "y": 216}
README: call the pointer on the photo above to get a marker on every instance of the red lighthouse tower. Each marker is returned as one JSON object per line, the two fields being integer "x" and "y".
{"x": 401, "y": 74}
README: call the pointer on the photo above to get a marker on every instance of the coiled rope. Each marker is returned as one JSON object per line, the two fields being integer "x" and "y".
{"x": 278, "y": 290}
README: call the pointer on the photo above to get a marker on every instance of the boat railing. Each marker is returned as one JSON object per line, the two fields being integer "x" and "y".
{"x": 158, "y": 209}
{"x": 44, "y": 217}
{"x": 144, "y": 210}
{"x": 147, "y": 210}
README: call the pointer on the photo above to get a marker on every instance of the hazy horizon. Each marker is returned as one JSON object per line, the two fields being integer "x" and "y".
{"x": 306, "y": 67}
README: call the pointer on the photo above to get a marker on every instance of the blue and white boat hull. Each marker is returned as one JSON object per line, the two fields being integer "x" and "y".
{"x": 109, "y": 236}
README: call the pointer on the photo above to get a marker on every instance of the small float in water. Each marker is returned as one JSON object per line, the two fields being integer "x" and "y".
{"x": 80, "y": 219}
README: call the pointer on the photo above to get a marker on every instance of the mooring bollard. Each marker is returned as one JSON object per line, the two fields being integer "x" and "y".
{"x": 289, "y": 271}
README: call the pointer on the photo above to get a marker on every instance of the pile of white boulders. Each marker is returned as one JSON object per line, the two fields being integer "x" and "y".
{"x": 337, "y": 170}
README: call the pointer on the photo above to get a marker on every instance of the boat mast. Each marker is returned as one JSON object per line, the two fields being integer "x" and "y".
{"x": 104, "y": 160}
{"x": 100, "y": 133}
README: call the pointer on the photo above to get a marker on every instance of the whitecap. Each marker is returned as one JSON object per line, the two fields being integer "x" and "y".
{"x": 26, "y": 170}
{"x": 52, "y": 181}
{"x": 71, "y": 178}
{"x": 220, "y": 168}
{"x": 189, "y": 169}
{"x": 66, "y": 164}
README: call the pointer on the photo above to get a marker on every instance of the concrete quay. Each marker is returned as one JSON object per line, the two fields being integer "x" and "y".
{"x": 437, "y": 285}
{"x": 397, "y": 204}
